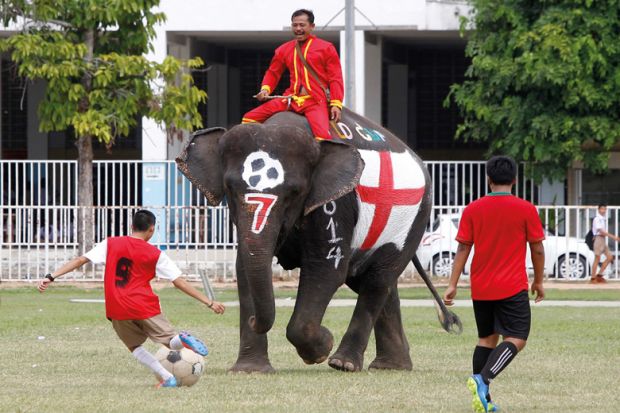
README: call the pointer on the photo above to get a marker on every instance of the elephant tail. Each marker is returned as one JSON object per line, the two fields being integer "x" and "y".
{"x": 448, "y": 320}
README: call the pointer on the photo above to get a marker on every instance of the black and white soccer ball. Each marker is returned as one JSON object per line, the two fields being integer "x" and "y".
{"x": 185, "y": 365}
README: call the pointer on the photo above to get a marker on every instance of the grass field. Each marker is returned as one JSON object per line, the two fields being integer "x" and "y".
{"x": 418, "y": 293}
{"x": 571, "y": 364}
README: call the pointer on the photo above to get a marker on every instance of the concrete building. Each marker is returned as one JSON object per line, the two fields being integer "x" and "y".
{"x": 407, "y": 54}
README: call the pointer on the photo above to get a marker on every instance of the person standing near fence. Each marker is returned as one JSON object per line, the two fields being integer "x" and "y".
{"x": 131, "y": 306}
{"x": 599, "y": 231}
{"x": 500, "y": 226}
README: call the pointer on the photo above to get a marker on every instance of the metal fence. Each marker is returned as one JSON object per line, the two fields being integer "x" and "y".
{"x": 38, "y": 230}
{"x": 461, "y": 182}
{"x": 36, "y": 240}
{"x": 115, "y": 183}
{"x": 567, "y": 257}
{"x": 120, "y": 183}
{"x": 202, "y": 240}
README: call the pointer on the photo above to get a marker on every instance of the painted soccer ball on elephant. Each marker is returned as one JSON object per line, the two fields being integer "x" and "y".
{"x": 185, "y": 365}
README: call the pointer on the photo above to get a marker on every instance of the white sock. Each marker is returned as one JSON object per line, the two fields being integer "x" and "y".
{"x": 176, "y": 343}
{"x": 146, "y": 358}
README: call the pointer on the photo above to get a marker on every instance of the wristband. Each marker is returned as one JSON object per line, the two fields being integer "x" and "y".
{"x": 49, "y": 277}
{"x": 210, "y": 305}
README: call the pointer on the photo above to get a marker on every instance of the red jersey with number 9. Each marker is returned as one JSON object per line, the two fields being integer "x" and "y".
{"x": 130, "y": 267}
{"x": 499, "y": 226}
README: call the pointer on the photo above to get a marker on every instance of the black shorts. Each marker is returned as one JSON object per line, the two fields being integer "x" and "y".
{"x": 510, "y": 317}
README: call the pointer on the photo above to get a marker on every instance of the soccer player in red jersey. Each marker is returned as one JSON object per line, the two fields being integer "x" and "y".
{"x": 308, "y": 88}
{"x": 499, "y": 226}
{"x": 132, "y": 307}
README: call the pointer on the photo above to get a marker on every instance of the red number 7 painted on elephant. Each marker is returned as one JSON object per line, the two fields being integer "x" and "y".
{"x": 264, "y": 203}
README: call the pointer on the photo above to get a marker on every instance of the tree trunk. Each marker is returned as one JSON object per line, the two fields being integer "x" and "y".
{"x": 85, "y": 192}
{"x": 85, "y": 159}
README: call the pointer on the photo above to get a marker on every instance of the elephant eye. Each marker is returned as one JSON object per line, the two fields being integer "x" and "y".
{"x": 294, "y": 186}
{"x": 232, "y": 181}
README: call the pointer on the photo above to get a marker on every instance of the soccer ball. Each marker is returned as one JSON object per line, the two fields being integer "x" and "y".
{"x": 184, "y": 364}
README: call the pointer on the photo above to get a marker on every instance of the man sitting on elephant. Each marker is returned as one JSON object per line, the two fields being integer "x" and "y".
{"x": 316, "y": 79}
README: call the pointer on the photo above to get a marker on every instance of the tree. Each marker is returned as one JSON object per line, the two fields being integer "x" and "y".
{"x": 544, "y": 81}
{"x": 92, "y": 55}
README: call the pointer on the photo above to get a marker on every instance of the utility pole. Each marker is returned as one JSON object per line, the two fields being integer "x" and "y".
{"x": 349, "y": 64}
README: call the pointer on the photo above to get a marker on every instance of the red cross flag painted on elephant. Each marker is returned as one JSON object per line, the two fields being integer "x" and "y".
{"x": 389, "y": 195}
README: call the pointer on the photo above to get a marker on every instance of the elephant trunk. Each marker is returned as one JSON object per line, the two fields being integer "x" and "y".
{"x": 256, "y": 266}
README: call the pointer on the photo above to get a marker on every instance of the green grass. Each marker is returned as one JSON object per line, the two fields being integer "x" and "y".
{"x": 417, "y": 292}
{"x": 422, "y": 293}
{"x": 571, "y": 364}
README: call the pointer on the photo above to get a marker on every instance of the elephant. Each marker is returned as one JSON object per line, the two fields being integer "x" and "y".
{"x": 347, "y": 211}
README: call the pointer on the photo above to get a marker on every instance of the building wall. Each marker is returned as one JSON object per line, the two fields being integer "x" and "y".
{"x": 267, "y": 15}
{"x": 247, "y": 19}
{"x": 372, "y": 80}
{"x": 244, "y": 19}
{"x": 383, "y": 91}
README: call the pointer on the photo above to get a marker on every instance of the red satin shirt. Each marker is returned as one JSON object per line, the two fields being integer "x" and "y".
{"x": 324, "y": 60}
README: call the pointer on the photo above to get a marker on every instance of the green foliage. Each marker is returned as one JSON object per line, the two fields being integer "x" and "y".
{"x": 544, "y": 81}
{"x": 100, "y": 88}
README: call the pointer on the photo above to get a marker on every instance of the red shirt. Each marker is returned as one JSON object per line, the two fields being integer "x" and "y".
{"x": 321, "y": 56}
{"x": 130, "y": 267}
{"x": 499, "y": 226}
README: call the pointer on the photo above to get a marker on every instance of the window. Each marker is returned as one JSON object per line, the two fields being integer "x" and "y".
{"x": 601, "y": 189}
{"x": 14, "y": 105}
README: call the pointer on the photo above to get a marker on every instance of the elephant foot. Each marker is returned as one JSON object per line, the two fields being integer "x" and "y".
{"x": 316, "y": 361}
{"x": 252, "y": 367}
{"x": 391, "y": 364}
{"x": 317, "y": 350}
{"x": 343, "y": 363}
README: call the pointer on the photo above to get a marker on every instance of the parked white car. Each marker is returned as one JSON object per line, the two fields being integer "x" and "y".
{"x": 565, "y": 257}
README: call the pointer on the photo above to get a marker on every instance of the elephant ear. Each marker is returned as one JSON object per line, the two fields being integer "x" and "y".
{"x": 337, "y": 173}
{"x": 200, "y": 163}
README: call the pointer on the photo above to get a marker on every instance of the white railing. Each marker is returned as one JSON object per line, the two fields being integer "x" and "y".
{"x": 461, "y": 182}
{"x": 566, "y": 254}
{"x": 115, "y": 183}
{"x": 39, "y": 214}
{"x": 36, "y": 240}
{"x": 120, "y": 182}
{"x": 202, "y": 240}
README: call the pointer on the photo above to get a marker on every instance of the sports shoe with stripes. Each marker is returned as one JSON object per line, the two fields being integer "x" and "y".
{"x": 171, "y": 382}
{"x": 193, "y": 343}
{"x": 479, "y": 391}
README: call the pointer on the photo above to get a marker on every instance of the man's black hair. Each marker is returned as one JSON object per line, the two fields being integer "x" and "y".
{"x": 143, "y": 220}
{"x": 602, "y": 206}
{"x": 502, "y": 170}
{"x": 306, "y": 12}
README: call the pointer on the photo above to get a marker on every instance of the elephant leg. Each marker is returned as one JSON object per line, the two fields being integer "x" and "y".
{"x": 312, "y": 341}
{"x": 392, "y": 345}
{"x": 371, "y": 300}
{"x": 253, "y": 349}
{"x": 325, "y": 260}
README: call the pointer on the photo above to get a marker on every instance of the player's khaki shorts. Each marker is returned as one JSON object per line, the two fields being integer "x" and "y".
{"x": 135, "y": 332}
{"x": 600, "y": 246}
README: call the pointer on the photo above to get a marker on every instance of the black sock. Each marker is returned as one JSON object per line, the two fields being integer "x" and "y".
{"x": 498, "y": 360}
{"x": 481, "y": 355}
